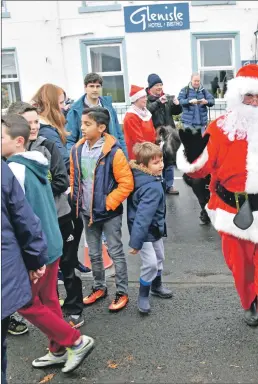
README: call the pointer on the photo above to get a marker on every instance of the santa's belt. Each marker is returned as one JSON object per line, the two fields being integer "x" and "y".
{"x": 237, "y": 199}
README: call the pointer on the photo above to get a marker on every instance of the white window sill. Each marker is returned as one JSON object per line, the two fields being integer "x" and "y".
{"x": 100, "y": 8}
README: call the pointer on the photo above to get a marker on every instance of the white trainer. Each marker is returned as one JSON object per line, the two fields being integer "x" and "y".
{"x": 49, "y": 359}
{"x": 77, "y": 355}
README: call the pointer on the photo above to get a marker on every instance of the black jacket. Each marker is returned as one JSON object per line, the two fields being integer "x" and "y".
{"x": 162, "y": 113}
{"x": 59, "y": 176}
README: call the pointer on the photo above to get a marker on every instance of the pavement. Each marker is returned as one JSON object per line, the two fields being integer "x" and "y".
{"x": 198, "y": 336}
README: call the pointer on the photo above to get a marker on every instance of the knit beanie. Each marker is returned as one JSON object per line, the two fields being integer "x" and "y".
{"x": 154, "y": 79}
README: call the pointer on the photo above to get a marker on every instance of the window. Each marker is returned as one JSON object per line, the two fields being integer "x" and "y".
{"x": 216, "y": 64}
{"x": 5, "y": 12}
{"x": 107, "y": 61}
{"x": 99, "y": 6}
{"x": 10, "y": 81}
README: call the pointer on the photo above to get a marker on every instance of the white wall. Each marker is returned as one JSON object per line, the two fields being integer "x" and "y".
{"x": 45, "y": 56}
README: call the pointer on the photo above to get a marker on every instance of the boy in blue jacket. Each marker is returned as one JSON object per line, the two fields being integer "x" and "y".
{"x": 31, "y": 170}
{"x": 92, "y": 85}
{"x": 146, "y": 210}
{"x": 24, "y": 253}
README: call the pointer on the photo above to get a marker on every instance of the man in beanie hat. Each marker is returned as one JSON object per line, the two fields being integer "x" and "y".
{"x": 162, "y": 108}
{"x": 229, "y": 152}
{"x": 138, "y": 125}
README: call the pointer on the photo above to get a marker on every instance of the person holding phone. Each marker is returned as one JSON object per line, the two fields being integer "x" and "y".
{"x": 194, "y": 100}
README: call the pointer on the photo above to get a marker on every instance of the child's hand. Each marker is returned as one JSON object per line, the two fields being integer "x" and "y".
{"x": 35, "y": 275}
{"x": 134, "y": 251}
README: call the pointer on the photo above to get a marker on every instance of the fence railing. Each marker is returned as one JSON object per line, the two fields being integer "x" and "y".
{"x": 213, "y": 112}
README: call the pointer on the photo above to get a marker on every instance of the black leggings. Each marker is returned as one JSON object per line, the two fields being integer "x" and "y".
{"x": 73, "y": 304}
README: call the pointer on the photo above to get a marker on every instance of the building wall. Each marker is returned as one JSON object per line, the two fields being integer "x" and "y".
{"x": 47, "y": 35}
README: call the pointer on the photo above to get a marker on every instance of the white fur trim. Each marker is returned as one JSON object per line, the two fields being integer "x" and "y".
{"x": 19, "y": 172}
{"x": 138, "y": 95}
{"x": 223, "y": 221}
{"x": 35, "y": 156}
{"x": 252, "y": 161}
{"x": 143, "y": 118}
{"x": 238, "y": 87}
{"x": 186, "y": 167}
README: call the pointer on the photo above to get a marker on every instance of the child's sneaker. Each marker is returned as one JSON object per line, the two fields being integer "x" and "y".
{"x": 75, "y": 321}
{"x": 95, "y": 295}
{"x": 119, "y": 302}
{"x": 49, "y": 359}
{"x": 76, "y": 355}
{"x": 17, "y": 326}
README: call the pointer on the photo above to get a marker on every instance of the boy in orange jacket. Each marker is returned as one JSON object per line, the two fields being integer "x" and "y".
{"x": 101, "y": 180}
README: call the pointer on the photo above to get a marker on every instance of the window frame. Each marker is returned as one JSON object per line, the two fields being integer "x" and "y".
{"x": 85, "y": 46}
{"x": 84, "y": 8}
{"x": 199, "y": 3}
{"x": 4, "y": 10}
{"x": 236, "y": 58}
{"x": 12, "y": 80}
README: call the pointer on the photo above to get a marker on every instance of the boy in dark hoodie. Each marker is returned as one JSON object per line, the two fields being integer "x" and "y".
{"x": 31, "y": 170}
{"x": 146, "y": 221}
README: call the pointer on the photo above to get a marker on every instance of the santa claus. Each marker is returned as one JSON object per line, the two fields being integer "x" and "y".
{"x": 229, "y": 152}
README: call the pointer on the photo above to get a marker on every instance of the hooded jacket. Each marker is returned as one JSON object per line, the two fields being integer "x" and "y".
{"x": 57, "y": 173}
{"x": 23, "y": 245}
{"x": 113, "y": 180}
{"x": 31, "y": 170}
{"x": 162, "y": 114}
{"x": 74, "y": 122}
{"x": 146, "y": 208}
{"x": 51, "y": 133}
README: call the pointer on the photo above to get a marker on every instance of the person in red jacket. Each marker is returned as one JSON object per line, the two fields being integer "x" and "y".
{"x": 138, "y": 125}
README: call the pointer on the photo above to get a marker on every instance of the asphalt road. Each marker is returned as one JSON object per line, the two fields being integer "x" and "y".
{"x": 197, "y": 337}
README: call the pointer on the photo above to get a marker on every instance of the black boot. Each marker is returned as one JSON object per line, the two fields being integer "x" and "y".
{"x": 251, "y": 315}
{"x": 157, "y": 288}
{"x": 143, "y": 299}
{"x": 204, "y": 218}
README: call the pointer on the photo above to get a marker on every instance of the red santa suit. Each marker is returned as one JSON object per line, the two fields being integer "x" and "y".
{"x": 138, "y": 125}
{"x": 231, "y": 157}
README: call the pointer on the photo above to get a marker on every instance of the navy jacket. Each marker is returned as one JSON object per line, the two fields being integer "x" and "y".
{"x": 195, "y": 114}
{"x": 23, "y": 244}
{"x": 74, "y": 122}
{"x": 146, "y": 208}
{"x": 113, "y": 180}
{"x": 52, "y": 134}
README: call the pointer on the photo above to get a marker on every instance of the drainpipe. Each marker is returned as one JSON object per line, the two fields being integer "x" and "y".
{"x": 58, "y": 30}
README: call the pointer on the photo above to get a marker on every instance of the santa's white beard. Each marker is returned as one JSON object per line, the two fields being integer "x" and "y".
{"x": 241, "y": 122}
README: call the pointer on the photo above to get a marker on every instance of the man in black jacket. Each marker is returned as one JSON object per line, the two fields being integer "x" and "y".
{"x": 162, "y": 108}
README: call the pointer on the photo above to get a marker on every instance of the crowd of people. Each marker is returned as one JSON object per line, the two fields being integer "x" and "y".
{"x": 70, "y": 167}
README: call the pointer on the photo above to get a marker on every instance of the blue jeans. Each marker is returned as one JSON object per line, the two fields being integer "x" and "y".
{"x": 168, "y": 174}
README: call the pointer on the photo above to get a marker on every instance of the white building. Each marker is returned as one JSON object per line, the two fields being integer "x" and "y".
{"x": 61, "y": 41}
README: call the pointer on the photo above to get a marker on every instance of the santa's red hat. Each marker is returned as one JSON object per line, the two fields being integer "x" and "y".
{"x": 246, "y": 81}
{"x": 136, "y": 93}
{"x": 250, "y": 70}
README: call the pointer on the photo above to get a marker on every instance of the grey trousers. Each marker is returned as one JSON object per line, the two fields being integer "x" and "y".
{"x": 152, "y": 256}
{"x": 113, "y": 233}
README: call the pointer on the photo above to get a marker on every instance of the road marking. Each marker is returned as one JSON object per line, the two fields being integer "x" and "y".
{"x": 178, "y": 178}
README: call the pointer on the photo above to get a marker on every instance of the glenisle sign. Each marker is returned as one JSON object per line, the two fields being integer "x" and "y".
{"x": 158, "y": 17}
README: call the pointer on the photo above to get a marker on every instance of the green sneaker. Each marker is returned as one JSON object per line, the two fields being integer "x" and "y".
{"x": 49, "y": 359}
{"x": 76, "y": 355}
{"x": 17, "y": 326}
